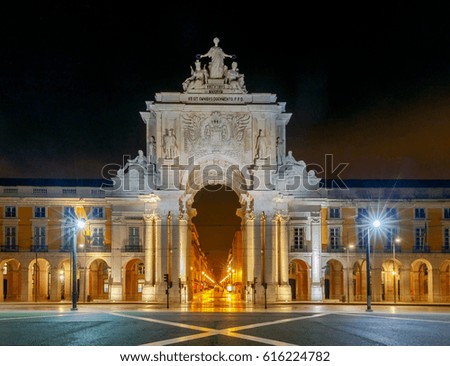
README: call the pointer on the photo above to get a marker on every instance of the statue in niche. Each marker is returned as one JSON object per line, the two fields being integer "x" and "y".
{"x": 170, "y": 146}
{"x": 260, "y": 147}
{"x": 198, "y": 78}
{"x": 152, "y": 150}
{"x": 280, "y": 155}
{"x": 140, "y": 161}
{"x": 216, "y": 65}
{"x": 234, "y": 78}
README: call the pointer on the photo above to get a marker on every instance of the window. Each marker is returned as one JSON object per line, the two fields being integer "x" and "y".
{"x": 335, "y": 213}
{"x": 446, "y": 213}
{"x": 69, "y": 212}
{"x": 419, "y": 213}
{"x": 299, "y": 238}
{"x": 363, "y": 213}
{"x": 140, "y": 269}
{"x": 10, "y": 211}
{"x": 391, "y": 234}
{"x": 363, "y": 238}
{"x": 133, "y": 236}
{"x": 140, "y": 285}
{"x": 447, "y": 239}
{"x": 39, "y": 237}
{"x": 10, "y": 237}
{"x": 97, "y": 237}
{"x": 39, "y": 212}
{"x": 391, "y": 213}
{"x": 335, "y": 238}
{"x": 105, "y": 286}
{"x": 97, "y": 213}
{"x": 420, "y": 238}
{"x": 67, "y": 237}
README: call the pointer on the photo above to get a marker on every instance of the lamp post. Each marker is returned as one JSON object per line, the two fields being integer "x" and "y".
{"x": 348, "y": 273}
{"x": 375, "y": 224}
{"x": 79, "y": 224}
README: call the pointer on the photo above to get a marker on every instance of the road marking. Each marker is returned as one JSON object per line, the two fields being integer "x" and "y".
{"x": 208, "y": 332}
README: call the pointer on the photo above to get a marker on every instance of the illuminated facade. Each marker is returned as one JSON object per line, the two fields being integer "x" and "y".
{"x": 298, "y": 239}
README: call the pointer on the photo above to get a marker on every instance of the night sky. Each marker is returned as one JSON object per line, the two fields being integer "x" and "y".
{"x": 370, "y": 85}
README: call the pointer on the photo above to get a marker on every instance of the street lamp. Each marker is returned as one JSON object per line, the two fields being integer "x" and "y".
{"x": 348, "y": 272}
{"x": 79, "y": 225}
{"x": 375, "y": 224}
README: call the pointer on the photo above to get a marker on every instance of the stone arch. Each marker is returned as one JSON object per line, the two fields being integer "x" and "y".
{"x": 10, "y": 280}
{"x": 444, "y": 281}
{"x": 334, "y": 280}
{"x": 390, "y": 280}
{"x": 64, "y": 280}
{"x": 214, "y": 169}
{"x": 421, "y": 281}
{"x": 39, "y": 280}
{"x": 300, "y": 279}
{"x": 99, "y": 280}
{"x": 134, "y": 279}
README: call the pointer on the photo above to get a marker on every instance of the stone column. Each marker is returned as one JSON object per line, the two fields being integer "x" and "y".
{"x": 435, "y": 296}
{"x": 184, "y": 254}
{"x": 258, "y": 272}
{"x": 116, "y": 290}
{"x": 284, "y": 290}
{"x": 316, "y": 253}
{"x": 249, "y": 254}
{"x": 405, "y": 281}
{"x": 55, "y": 295}
{"x": 24, "y": 291}
{"x": 376, "y": 282}
{"x": 148, "y": 292}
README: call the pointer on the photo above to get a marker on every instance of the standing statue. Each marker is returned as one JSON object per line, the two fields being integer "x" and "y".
{"x": 280, "y": 154}
{"x": 170, "y": 146}
{"x": 260, "y": 145}
{"x": 217, "y": 56}
{"x": 152, "y": 150}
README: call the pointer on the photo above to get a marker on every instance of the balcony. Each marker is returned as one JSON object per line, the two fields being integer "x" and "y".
{"x": 297, "y": 249}
{"x": 421, "y": 249}
{"x": 389, "y": 249}
{"x": 331, "y": 249}
{"x": 132, "y": 248}
{"x": 39, "y": 248}
{"x": 9, "y": 248}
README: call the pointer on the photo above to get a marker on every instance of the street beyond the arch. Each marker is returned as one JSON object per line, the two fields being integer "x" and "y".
{"x": 226, "y": 323}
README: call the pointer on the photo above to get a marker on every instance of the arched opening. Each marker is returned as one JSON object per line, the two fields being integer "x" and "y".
{"x": 98, "y": 280}
{"x": 390, "y": 281}
{"x": 299, "y": 280}
{"x": 10, "y": 279}
{"x": 64, "y": 286}
{"x": 359, "y": 281}
{"x": 134, "y": 280}
{"x": 444, "y": 279}
{"x": 422, "y": 281}
{"x": 217, "y": 250}
{"x": 39, "y": 280}
{"x": 334, "y": 280}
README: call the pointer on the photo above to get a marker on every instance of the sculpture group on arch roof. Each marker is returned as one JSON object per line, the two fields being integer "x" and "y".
{"x": 216, "y": 69}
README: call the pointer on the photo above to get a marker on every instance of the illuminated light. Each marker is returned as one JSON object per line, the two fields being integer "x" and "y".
{"x": 81, "y": 223}
{"x": 398, "y": 240}
{"x": 376, "y": 224}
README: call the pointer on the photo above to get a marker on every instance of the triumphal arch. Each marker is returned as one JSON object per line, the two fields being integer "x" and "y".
{"x": 215, "y": 133}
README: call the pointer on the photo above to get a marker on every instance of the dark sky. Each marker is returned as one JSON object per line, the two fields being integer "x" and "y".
{"x": 369, "y": 84}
